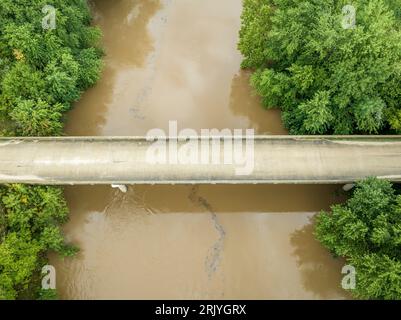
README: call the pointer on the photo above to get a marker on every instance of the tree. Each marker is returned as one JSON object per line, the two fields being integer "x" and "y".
{"x": 324, "y": 77}
{"x": 366, "y": 230}
{"x": 43, "y": 69}
{"x": 18, "y": 261}
{"x": 42, "y": 72}
{"x": 37, "y": 118}
{"x": 31, "y": 219}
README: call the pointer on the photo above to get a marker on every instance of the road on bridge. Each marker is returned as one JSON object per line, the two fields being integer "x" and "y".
{"x": 123, "y": 160}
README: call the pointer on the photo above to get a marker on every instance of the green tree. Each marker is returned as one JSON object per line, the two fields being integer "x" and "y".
{"x": 31, "y": 217}
{"x": 37, "y": 118}
{"x": 19, "y": 256}
{"x": 324, "y": 77}
{"x": 366, "y": 230}
{"x": 42, "y": 72}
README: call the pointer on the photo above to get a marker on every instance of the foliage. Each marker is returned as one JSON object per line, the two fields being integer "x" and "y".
{"x": 367, "y": 231}
{"x": 32, "y": 218}
{"x": 35, "y": 118}
{"x": 48, "y": 294}
{"x": 325, "y": 78}
{"x": 42, "y": 71}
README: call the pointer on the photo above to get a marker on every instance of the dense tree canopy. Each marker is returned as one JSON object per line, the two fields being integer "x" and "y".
{"x": 42, "y": 71}
{"x": 29, "y": 226}
{"x": 325, "y": 77}
{"x": 367, "y": 232}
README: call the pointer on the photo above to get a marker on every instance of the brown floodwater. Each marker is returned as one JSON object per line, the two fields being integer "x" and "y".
{"x": 178, "y": 60}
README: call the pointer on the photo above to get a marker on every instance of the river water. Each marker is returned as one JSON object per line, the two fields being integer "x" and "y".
{"x": 178, "y": 60}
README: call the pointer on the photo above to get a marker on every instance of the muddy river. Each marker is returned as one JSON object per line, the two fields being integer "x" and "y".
{"x": 178, "y": 60}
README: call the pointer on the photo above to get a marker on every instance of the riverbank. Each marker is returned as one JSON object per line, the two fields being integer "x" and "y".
{"x": 178, "y": 60}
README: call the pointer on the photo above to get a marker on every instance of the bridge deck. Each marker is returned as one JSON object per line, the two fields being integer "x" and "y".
{"x": 122, "y": 160}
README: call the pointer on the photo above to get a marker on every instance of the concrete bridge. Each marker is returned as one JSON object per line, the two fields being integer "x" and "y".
{"x": 124, "y": 161}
